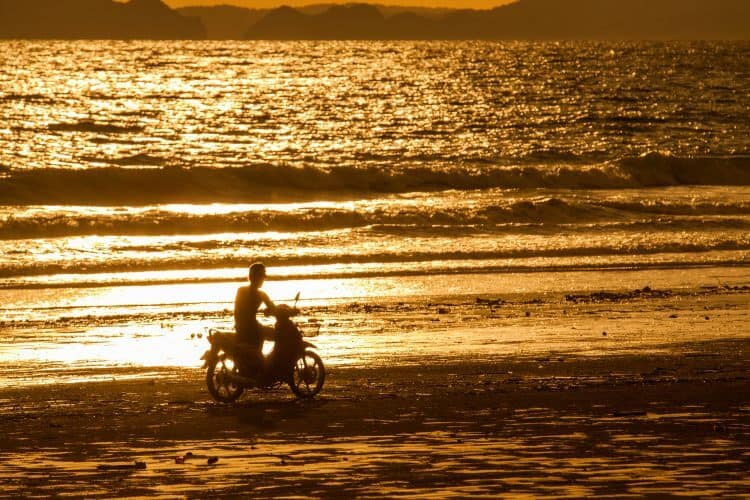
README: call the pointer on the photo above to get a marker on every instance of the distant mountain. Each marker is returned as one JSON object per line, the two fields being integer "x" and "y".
{"x": 605, "y": 19}
{"x": 340, "y": 22}
{"x": 386, "y": 10}
{"x": 225, "y": 22}
{"x": 95, "y": 19}
{"x": 523, "y": 20}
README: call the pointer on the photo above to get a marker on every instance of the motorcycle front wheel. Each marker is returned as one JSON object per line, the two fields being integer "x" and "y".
{"x": 308, "y": 375}
{"x": 218, "y": 380}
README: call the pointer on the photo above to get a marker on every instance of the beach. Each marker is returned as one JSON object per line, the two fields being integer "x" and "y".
{"x": 628, "y": 419}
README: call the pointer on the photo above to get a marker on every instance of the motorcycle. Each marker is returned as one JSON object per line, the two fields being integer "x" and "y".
{"x": 293, "y": 361}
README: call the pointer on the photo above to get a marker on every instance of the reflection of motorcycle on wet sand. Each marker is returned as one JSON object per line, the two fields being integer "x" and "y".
{"x": 292, "y": 361}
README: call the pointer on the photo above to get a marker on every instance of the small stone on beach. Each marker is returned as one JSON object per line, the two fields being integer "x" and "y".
{"x": 133, "y": 466}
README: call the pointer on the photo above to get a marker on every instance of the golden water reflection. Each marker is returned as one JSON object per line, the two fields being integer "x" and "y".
{"x": 316, "y": 292}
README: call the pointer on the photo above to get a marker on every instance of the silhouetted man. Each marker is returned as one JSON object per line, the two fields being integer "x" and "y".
{"x": 249, "y": 331}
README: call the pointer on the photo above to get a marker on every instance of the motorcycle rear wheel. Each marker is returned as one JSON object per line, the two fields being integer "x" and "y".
{"x": 221, "y": 388}
{"x": 308, "y": 375}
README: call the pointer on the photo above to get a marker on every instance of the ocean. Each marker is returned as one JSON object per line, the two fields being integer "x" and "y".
{"x": 139, "y": 179}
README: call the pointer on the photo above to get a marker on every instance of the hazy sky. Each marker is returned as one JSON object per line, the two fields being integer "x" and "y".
{"x": 475, "y": 4}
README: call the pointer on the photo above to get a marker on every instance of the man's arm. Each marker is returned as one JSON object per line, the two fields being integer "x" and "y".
{"x": 270, "y": 306}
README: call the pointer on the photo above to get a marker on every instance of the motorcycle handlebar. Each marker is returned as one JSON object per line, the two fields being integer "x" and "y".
{"x": 283, "y": 310}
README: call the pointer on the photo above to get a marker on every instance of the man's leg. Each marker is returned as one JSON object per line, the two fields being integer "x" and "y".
{"x": 251, "y": 359}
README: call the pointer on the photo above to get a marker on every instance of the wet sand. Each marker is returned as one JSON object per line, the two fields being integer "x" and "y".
{"x": 558, "y": 427}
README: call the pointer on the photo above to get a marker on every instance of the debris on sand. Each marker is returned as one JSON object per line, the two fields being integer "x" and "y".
{"x": 181, "y": 459}
{"x": 120, "y": 467}
{"x": 643, "y": 293}
{"x": 366, "y": 308}
{"x": 283, "y": 458}
{"x": 490, "y": 302}
{"x": 737, "y": 288}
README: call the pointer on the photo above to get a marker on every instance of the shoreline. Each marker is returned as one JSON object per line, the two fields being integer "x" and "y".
{"x": 541, "y": 318}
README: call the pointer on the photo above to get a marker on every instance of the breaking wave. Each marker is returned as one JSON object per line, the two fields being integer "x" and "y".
{"x": 515, "y": 216}
{"x": 274, "y": 183}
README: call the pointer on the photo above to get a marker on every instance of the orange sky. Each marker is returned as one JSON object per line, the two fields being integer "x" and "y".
{"x": 475, "y": 4}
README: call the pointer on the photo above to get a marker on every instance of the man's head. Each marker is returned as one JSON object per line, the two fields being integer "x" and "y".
{"x": 257, "y": 273}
